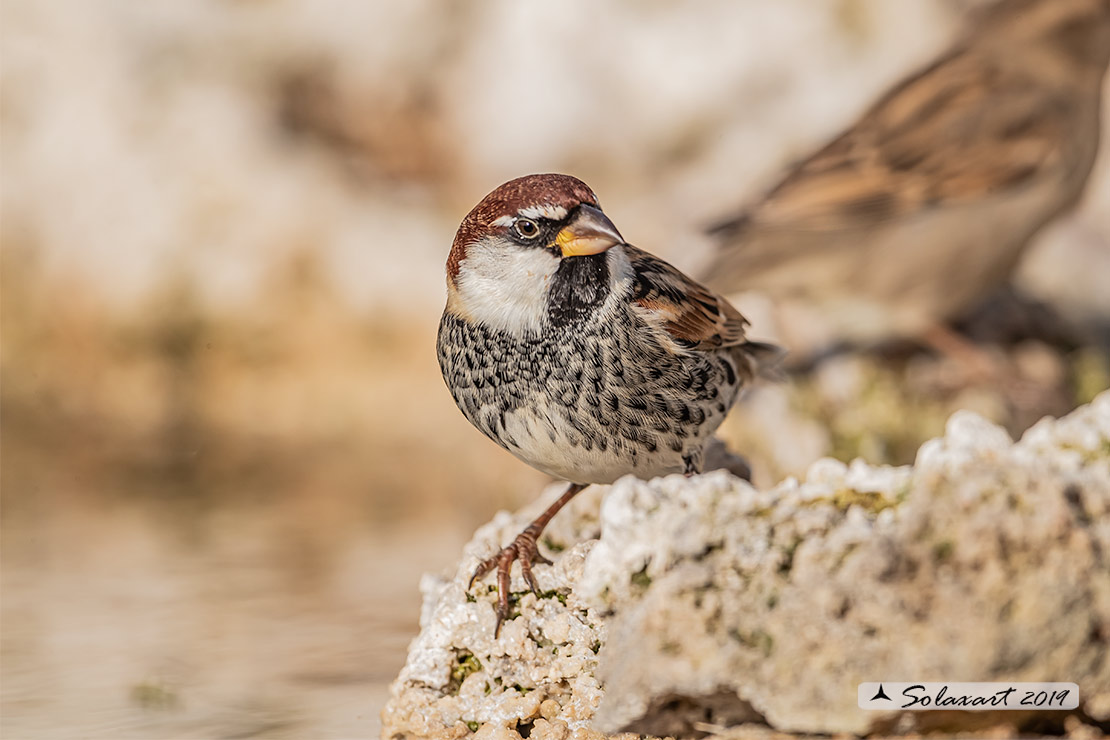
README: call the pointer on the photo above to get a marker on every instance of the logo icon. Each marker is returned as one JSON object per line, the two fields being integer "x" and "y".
{"x": 880, "y": 694}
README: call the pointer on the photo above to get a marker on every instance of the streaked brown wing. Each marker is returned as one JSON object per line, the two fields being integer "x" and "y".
{"x": 957, "y": 131}
{"x": 693, "y": 315}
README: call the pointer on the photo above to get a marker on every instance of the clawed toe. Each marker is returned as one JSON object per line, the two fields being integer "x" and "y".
{"x": 483, "y": 567}
{"x": 522, "y": 549}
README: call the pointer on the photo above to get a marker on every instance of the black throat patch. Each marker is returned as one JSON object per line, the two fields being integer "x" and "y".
{"x": 578, "y": 287}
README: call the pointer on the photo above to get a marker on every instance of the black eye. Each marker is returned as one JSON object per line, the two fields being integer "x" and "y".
{"x": 527, "y": 228}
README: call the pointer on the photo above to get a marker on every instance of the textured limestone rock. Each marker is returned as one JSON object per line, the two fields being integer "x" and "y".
{"x": 691, "y": 605}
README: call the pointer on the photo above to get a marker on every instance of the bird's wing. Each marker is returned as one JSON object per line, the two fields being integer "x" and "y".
{"x": 958, "y": 130}
{"x": 694, "y": 316}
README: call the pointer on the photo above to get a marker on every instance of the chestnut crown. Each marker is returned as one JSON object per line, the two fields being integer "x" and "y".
{"x": 533, "y": 211}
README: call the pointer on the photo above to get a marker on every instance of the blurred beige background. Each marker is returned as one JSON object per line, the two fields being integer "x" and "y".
{"x": 228, "y": 454}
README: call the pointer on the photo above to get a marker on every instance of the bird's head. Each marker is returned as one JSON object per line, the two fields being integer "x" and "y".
{"x": 533, "y": 250}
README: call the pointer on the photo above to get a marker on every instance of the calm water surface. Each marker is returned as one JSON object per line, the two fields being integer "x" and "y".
{"x": 147, "y": 619}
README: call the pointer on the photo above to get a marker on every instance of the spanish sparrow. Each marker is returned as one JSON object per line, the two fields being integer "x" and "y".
{"x": 582, "y": 355}
{"x": 923, "y": 207}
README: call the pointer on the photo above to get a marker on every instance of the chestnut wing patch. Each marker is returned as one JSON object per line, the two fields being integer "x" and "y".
{"x": 694, "y": 316}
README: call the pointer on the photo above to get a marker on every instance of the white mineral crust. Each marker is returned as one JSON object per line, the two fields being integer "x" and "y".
{"x": 681, "y": 605}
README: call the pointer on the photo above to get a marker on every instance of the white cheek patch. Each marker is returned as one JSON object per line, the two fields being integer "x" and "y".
{"x": 505, "y": 286}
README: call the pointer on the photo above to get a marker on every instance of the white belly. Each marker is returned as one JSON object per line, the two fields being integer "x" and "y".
{"x": 555, "y": 447}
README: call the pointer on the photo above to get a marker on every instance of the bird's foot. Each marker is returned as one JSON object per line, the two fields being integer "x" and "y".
{"x": 523, "y": 549}
{"x": 975, "y": 363}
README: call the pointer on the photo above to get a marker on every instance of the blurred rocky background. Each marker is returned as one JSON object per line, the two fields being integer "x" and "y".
{"x": 228, "y": 453}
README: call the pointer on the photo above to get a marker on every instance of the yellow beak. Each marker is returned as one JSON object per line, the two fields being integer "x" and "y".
{"x": 591, "y": 232}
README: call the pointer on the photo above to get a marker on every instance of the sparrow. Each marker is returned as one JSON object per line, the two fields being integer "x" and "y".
{"x": 580, "y": 354}
{"x": 921, "y": 208}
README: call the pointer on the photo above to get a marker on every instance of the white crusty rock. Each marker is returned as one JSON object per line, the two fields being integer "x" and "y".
{"x": 684, "y": 606}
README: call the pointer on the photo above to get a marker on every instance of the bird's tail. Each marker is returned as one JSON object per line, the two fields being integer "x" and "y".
{"x": 766, "y": 359}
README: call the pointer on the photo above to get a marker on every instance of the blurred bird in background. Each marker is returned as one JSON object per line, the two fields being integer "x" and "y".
{"x": 922, "y": 208}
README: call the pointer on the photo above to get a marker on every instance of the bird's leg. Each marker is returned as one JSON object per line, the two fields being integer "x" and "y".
{"x": 692, "y": 463}
{"x": 525, "y": 549}
{"x": 975, "y": 362}
{"x": 692, "y": 468}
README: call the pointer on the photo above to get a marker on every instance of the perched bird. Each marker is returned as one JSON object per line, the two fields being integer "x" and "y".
{"x": 923, "y": 207}
{"x": 582, "y": 355}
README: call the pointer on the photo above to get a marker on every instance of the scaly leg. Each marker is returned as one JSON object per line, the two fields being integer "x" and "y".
{"x": 524, "y": 549}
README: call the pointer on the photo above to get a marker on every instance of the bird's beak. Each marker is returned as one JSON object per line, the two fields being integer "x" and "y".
{"x": 590, "y": 232}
